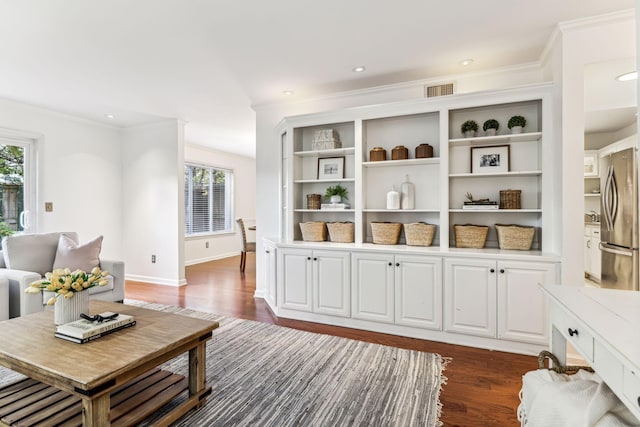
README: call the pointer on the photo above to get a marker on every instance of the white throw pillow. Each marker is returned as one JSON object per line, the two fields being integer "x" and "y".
{"x": 78, "y": 257}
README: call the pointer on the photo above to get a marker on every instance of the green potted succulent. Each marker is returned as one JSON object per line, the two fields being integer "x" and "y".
{"x": 336, "y": 193}
{"x": 516, "y": 123}
{"x": 469, "y": 128}
{"x": 491, "y": 127}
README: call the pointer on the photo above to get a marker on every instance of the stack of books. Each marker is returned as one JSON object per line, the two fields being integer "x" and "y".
{"x": 83, "y": 330}
{"x": 334, "y": 206}
{"x": 480, "y": 205}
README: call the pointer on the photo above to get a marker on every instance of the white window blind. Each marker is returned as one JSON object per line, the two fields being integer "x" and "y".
{"x": 207, "y": 200}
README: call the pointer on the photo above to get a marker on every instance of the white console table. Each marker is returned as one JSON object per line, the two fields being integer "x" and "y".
{"x": 604, "y": 327}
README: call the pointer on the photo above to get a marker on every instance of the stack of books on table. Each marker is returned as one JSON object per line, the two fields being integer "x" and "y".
{"x": 480, "y": 205}
{"x": 83, "y": 330}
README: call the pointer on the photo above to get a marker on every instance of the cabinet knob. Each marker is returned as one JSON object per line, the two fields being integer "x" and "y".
{"x": 308, "y": 258}
{"x": 397, "y": 264}
{"x": 390, "y": 264}
{"x": 493, "y": 270}
{"x": 315, "y": 259}
{"x": 267, "y": 251}
{"x": 502, "y": 270}
{"x": 573, "y": 332}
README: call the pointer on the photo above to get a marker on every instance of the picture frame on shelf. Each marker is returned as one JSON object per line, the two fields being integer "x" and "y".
{"x": 492, "y": 159}
{"x": 331, "y": 168}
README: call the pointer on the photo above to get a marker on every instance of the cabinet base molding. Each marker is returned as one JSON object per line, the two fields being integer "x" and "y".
{"x": 405, "y": 331}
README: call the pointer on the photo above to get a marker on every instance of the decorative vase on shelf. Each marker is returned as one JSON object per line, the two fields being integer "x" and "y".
{"x": 516, "y": 129}
{"x": 490, "y": 132}
{"x": 335, "y": 199}
{"x": 393, "y": 198}
{"x": 69, "y": 309}
{"x": 408, "y": 194}
{"x": 469, "y": 134}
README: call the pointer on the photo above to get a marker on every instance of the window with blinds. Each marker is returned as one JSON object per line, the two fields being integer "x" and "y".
{"x": 208, "y": 196}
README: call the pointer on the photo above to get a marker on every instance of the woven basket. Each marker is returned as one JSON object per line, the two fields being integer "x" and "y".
{"x": 314, "y": 201}
{"x": 313, "y": 231}
{"x": 470, "y": 236}
{"x": 385, "y": 233}
{"x": 341, "y": 231}
{"x": 515, "y": 236}
{"x": 556, "y": 366}
{"x": 510, "y": 199}
{"x": 419, "y": 233}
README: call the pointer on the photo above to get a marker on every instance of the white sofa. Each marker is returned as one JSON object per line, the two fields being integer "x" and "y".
{"x": 25, "y": 258}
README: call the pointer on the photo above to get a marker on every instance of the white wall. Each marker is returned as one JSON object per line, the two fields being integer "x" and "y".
{"x": 580, "y": 43}
{"x": 153, "y": 202}
{"x": 244, "y": 204}
{"x": 595, "y": 141}
{"x": 268, "y": 142}
{"x": 79, "y": 172}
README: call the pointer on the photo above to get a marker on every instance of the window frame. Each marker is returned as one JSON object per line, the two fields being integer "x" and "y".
{"x": 229, "y": 201}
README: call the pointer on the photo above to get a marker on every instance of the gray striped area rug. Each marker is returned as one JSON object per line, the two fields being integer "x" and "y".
{"x": 267, "y": 375}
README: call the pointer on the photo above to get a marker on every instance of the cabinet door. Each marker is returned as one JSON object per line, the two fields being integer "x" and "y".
{"x": 372, "y": 287}
{"x": 418, "y": 291}
{"x": 470, "y": 296}
{"x": 522, "y": 306}
{"x": 331, "y": 276}
{"x": 270, "y": 263}
{"x": 295, "y": 275}
{"x": 596, "y": 261}
{"x": 587, "y": 254}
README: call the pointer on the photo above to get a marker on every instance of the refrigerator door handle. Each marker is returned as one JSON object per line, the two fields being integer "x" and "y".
{"x": 606, "y": 201}
{"x": 606, "y": 248}
{"x": 614, "y": 198}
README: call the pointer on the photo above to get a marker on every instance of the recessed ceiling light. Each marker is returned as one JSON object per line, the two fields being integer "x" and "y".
{"x": 359, "y": 69}
{"x": 466, "y": 62}
{"x": 110, "y": 116}
{"x": 633, "y": 75}
{"x": 287, "y": 92}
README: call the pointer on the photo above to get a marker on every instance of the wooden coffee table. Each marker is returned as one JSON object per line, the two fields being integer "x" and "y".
{"x": 113, "y": 380}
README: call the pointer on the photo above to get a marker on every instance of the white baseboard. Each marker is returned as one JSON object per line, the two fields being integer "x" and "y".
{"x": 259, "y": 293}
{"x": 155, "y": 280}
{"x": 212, "y": 258}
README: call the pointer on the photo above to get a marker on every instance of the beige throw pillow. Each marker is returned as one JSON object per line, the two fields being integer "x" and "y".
{"x": 78, "y": 257}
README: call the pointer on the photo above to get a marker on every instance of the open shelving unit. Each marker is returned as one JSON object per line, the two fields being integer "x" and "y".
{"x": 442, "y": 181}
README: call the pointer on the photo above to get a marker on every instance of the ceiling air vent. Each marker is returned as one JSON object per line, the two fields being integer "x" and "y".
{"x": 439, "y": 90}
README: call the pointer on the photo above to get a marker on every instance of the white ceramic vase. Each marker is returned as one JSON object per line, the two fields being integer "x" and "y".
{"x": 335, "y": 199}
{"x": 516, "y": 129}
{"x": 469, "y": 134}
{"x": 490, "y": 132}
{"x": 69, "y": 309}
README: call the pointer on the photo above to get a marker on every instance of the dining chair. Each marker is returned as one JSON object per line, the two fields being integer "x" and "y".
{"x": 246, "y": 246}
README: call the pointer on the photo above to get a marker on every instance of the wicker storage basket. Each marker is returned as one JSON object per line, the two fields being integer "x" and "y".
{"x": 341, "y": 231}
{"x": 470, "y": 236}
{"x": 313, "y": 231}
{"x": 385, "y": 233}
{"x": 510, "y": 199}
{"x": 314, "y": 201}
{"x": 419, "y": 233}
{"x": 515, "y": 236}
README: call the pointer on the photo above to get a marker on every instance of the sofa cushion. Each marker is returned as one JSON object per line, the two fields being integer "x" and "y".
{"x": 32, "y": 252}
{"x": 77, "y": 257}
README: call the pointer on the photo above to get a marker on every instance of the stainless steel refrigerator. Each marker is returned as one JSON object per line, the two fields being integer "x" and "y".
{"x": 619, "y": 220}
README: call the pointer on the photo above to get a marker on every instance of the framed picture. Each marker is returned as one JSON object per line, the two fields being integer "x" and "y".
{"x": 494, "y": 159}
{"x": 331, "y": 168}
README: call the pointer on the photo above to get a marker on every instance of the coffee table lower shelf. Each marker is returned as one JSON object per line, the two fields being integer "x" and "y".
{"x": 28, "y": 402}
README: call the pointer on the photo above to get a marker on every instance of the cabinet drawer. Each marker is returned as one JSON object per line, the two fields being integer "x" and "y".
{"x": 574, "y": 331}
{"x": 631, "y": 387}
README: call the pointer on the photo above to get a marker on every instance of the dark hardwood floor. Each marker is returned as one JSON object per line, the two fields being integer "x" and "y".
{"x": 482, "y": 387}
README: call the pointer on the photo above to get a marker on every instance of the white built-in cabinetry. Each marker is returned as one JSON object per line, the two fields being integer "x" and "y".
{"x": 592, "y": 253}
{"x": 315, "y": 281}
{"x": 483, "y": 297}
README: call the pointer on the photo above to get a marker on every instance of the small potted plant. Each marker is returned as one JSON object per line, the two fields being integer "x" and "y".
{"x": 469, "y": 128}
{"x": 336, "y": 193}
{"x": 490, "y": 127}
{"x": 516, "y": 123}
